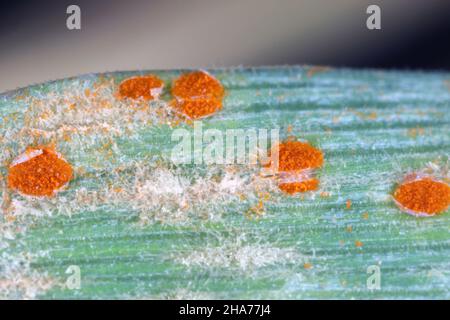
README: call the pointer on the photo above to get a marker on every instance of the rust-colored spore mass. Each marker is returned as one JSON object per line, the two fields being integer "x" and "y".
{"x": 296, "y": 156}
{"x": 296, "y": 161}
{"x": 423, "y": 196}
{"x": 197, "y": 84}
{"x": 197, "y": 94}
{"x": 146, "y": 87}
{"x": 39, "y": 175}
{"x": 197, "y": 108}
{"x": 301, "y": 186}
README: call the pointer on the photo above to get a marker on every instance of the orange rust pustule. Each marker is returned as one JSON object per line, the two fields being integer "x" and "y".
{"x": 146, "y": 87}
{"x": 302, "y": 186}
{"x": 297, "y": 156}
{"x": 197, "y": 94}
{"x": 197, "y": 84}
{"x": 197, "y": 108}
{"x": 423, "y": 196}
{"x": 40, "y": 175}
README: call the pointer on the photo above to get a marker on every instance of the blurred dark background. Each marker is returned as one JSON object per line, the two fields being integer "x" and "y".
{"x": 36, "y": 46}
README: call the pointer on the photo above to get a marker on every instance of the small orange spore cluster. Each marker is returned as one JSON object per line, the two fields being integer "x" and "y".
{"x": 197, "y": 108}
{"x": 297, "y": 155}
{"x": 423, "y": 196}
{"x": 303, "y": 186}
{"x": 197, "y": 94}
{"x": 147, "y": 87}
{"x": 296, "y": 160}
{"x": 197, "y": 84}
{"x": 40, "y": 171}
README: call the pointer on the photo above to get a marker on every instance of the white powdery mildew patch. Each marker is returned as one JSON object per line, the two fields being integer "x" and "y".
{"x": 239, "y": 254}
{"x": 24, "y": 210}
{"x": 29, "y": 207}
{"x": 164, "y": 195}
{"x": 18, "y": 280}
{"x": 245, "y": 258}
{"x": 440, "y": 169}
{"x": 8, "y": 232}
{"x": 9, "y": 229}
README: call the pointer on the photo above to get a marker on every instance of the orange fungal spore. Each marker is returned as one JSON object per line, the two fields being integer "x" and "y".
{"x": 302, "y": 186}
{"x": 147, "y": 87}
{"x": 296, "y": 155}
{"x": 423, "y": 196}
{"x": 348, "y": 204}
{"x": 197, "y": 94}
{"x": 197, "y": 108}
{"x": 296, "y": 162}
{"x": 197, "y": 84}
{"x": 40, "y": 171}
